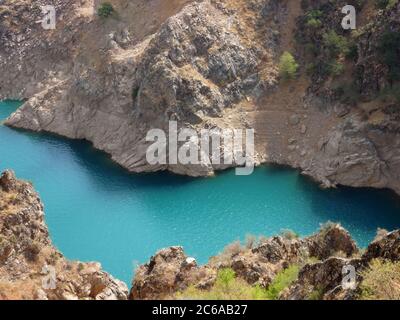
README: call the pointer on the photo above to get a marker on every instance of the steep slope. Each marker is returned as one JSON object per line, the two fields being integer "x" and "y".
{"x": 30, "y": 267}
{"x": 212, "y": 64}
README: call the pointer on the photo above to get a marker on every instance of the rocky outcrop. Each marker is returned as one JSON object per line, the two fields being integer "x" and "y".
{"x": 387, "y": 247}
{"x": 325, "y": 259}
{"x": 171, "y": 271}
{"x": 323, "y": 280}
{"x": 30, "y": 266}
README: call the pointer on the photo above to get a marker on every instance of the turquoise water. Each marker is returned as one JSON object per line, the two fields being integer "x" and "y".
{"x": 95, "y": 210}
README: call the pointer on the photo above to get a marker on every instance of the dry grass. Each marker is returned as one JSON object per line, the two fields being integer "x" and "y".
{"x": 381, "y": 281}
{"x": 18, "y": 290}
{"x": 8, "y": 203}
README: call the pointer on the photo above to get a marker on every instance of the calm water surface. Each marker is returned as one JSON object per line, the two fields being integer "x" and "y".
{"x": 97, "y": 211}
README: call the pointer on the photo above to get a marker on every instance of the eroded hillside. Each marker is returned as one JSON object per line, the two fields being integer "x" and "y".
{"x": 214, "y": 64}
{"x": 30, "y": 266}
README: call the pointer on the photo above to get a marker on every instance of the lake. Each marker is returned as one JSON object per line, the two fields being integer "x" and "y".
{"x": 97, "y": 211}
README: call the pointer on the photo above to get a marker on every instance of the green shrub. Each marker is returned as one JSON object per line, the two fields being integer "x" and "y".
{"x": 314, "y": 14}
{"x": 391, "y": 4}
{"x": 314, "y": 23}
{"x": 225, "y": 277}
{"x": 352, "y": 53}
{"x": 389, "y": 49}
{"x": 316, "y": 294}
{"x": 226, "y": 287}
{"x": 313, "y": 19}
{"x": 105, "y": 10}
{"x": 386, "y": 4}
{"x": 336, "y": 68}
{"x": 288, "y": 66}
{"x": 390, "y": 94}
{"x": 336, "y": 44}
{"x": 282, "y": 281}
{"x": 381, "y": 281}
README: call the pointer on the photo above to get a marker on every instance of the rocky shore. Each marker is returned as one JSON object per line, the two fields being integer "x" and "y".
{"x": 32, "y": 268}
{"x": 208, "y": 64}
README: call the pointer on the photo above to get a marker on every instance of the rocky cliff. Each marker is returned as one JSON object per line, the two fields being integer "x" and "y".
{"x": 30, "y": 266}
{"x": 212, "y": 64}
{"x": 321, "y": 259}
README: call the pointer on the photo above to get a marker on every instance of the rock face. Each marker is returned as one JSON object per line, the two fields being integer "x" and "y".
{"x": 388, "y": 248}
{"x": 168, "y": 271}
{"x": 324, "y": 259}
{"x": 205, "y": 64}
{"x": 30, "y": 267}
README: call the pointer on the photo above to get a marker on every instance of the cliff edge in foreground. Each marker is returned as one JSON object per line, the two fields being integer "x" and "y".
{"x": 30, "y": 266}
{"x": 325, "y": 266}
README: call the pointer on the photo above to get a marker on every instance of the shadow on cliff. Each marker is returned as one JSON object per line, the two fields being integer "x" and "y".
{"x": 102, "y": 169}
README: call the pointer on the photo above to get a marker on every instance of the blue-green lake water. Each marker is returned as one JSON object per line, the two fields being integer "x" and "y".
{"x": 97, "y": 211}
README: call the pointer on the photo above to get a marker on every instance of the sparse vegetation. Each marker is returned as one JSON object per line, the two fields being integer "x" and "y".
{"x": 389, "y": 49}
{"x": 335, "y": 44}
{"x": 347, "y": 93}
{"x": 314, "y": 19}
{"x": 229, "y": 287}
{"x": 281, "y": 281}
{"x": 381, "y": 281}
{"x": 226, "y": 287}
{"x": 386, "y": 4}
{"x": 105, "y": 10}
{"x": 316, "y": 294}
{"x": 229, "y": 251}
{"x": 289, "y": 234}
{"x": 390, "y": 94}
{"x": 336, "y": 68}
{"x": 288, "y": 66}
{"x": 251, "y": 241}
{"x": 352, "y": 53}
